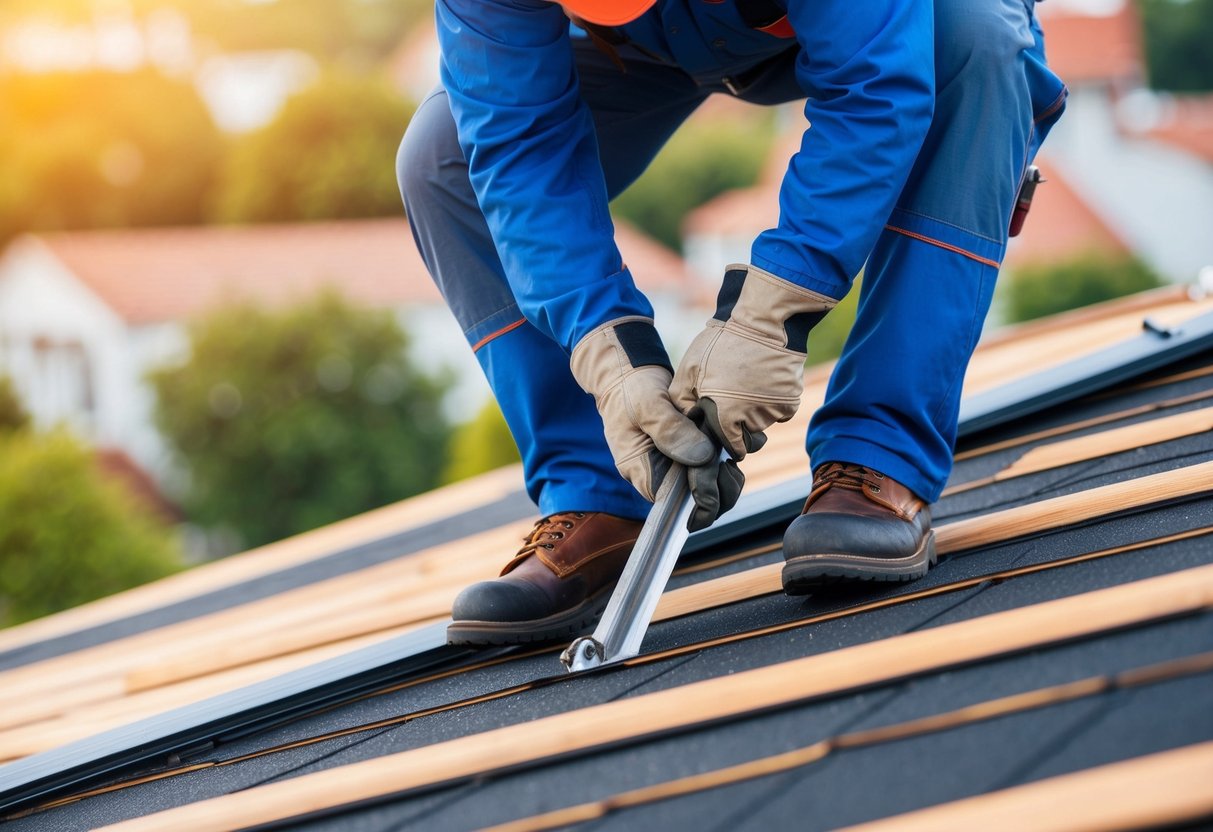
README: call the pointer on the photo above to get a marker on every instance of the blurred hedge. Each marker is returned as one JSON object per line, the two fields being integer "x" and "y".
{"x": 1037, "y": 291}
{"x": 67, "y": 535}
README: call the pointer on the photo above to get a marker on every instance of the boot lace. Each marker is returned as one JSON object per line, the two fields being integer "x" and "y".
{"x": 544, "y": 535}
{"x": 846, "y": 475}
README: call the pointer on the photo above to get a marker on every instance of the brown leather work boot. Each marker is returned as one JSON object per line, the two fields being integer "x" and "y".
{"x": 556, "y": 587}
{"x": 857, "y": 525}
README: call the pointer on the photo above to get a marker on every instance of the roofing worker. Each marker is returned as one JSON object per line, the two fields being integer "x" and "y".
{"x": 922, "y": 117}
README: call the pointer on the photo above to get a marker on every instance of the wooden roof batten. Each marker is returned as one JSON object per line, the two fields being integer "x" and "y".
{"x": 1157, "y": 790}
{"x": 371, "y": 527}
{"x": 697, "y": 704}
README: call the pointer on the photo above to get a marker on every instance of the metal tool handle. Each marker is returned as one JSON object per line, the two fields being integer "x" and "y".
{"x": 628, "y": 613}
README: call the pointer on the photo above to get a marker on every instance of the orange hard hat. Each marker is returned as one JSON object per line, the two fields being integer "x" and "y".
{"x": 607, "y": 12}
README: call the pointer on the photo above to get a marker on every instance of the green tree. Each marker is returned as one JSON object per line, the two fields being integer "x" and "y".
{"x": 328, "y": 154}
{"x": 701, "y": 161}
{"x": 97, "y": 149}
{"x": 1178, "y": 34}
{"x": 66, "y": 535}
{"x": 483, "y": 444}
{"x": 287, "y": 420}
{"x": 1036, "y": 291}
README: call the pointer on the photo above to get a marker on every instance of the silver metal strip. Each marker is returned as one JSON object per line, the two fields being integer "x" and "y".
{"x": 628, "y": 613}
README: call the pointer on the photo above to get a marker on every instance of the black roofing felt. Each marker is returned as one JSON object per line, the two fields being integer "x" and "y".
{"x": 907, "y": 774}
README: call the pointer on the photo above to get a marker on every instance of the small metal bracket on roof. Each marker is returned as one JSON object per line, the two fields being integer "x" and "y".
{"x": 648, "y": 569}
{"x": 1161, "y": 330}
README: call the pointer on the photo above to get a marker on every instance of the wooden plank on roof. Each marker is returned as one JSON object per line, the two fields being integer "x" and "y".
{"x": 1083, "y": 424}
{"x": 1132, "y": 306}
{"x": 1097, "y": 445}
{"x": 973, "y": 533}
{"x": 390, "y": 585}
{"x": 698, "y": 704}
{"x": 1170, "y": 787}
{"x": 365, "y": 528}
{"x": 103, "y": 713}
{"x": 1075, "y": 508}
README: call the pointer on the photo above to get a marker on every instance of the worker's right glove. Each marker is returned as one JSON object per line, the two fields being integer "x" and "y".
{"x": 746, "y": 369}
{"x": 624, "y": 366}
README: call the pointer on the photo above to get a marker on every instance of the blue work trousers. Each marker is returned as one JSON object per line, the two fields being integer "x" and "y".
{"x": 893, "y": 399}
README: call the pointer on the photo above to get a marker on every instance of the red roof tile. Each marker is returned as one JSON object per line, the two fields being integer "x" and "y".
{"x": 1092, "y": 48}
{"x": 1187, "y": 123}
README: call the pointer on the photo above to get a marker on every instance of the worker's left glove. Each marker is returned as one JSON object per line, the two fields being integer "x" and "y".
{"x": 746, "y": 369}
{"x": 624, "y": 366}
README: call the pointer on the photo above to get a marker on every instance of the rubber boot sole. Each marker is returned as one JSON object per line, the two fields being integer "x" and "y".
{"x": 566, "y": 625}
{"x": 803, "y": 574}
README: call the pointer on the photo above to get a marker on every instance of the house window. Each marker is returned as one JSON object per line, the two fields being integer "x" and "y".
{"x": 62, "y": 382}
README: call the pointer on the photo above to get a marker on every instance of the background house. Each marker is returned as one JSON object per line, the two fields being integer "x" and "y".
{"x": 1134, "y": 157}
{"x": 1129, "y": 170}
{"x": 84, "y": 315}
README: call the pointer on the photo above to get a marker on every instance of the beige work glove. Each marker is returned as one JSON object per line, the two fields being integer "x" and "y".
{"x": 746, "y": 369}
{"x": 624, "y": 366}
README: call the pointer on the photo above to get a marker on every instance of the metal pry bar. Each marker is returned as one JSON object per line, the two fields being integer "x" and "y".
{"x": 630, "y": 610}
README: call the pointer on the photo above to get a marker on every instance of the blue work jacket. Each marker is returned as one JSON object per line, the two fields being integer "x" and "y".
{"x": 508, "y": 68}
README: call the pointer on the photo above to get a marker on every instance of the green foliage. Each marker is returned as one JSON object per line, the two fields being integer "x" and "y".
{"x": 292, "y": 419}
{"x": 482, "y": 444}
{"x": 356, "y": 32}
{"x": 827, "y": 338}
{"x": 701, "y": 161}
{"x": 66, "y": 535}
{"x": 1178, "y": 34}
{"x": 97, "y": 149}
{"x": 329, "y": 153}
{"x": 12, "y": 412}
{"x": 1036, "y": 291}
